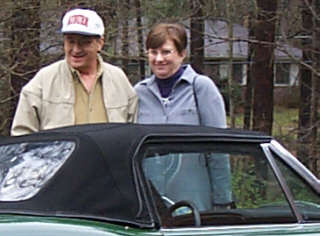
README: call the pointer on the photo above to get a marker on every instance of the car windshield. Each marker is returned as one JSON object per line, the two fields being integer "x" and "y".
{"x": 220, "y": 184}
{"x": 306, "y": 199}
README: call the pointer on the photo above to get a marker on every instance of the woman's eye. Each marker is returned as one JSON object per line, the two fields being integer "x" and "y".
{"x": 166, "y": 52}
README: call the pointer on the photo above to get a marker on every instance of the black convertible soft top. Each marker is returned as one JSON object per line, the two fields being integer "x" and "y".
{"x": 98, "y": 180}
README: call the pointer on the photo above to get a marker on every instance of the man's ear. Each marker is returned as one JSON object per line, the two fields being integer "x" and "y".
{"x": 100, "y": 43}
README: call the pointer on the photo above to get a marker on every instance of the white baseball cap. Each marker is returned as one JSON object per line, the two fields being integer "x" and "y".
{"x": 82, "y": 21}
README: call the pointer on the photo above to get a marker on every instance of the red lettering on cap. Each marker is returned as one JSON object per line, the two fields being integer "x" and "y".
{"x": 78, "y": 19}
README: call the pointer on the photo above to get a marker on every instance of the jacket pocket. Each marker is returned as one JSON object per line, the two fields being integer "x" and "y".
{"x": 118, "y": 114}
{"x": 56, "y": 114}
{"x": 185, "y": 116}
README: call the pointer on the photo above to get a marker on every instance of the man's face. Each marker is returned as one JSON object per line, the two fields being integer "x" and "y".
{"x": 81, "y": 51}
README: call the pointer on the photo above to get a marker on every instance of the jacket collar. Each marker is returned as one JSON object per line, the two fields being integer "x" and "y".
{"x": 188, "y": 76}
{"x": 99, "y": 71}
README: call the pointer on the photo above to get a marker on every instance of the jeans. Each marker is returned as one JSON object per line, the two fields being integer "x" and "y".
{"x": 202, "y": 179}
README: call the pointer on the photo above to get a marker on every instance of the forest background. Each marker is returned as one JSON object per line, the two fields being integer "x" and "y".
{"x": 30, "y": 38}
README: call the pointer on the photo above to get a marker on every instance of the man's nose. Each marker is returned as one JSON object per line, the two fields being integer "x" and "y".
{"x": 77, "y": 46}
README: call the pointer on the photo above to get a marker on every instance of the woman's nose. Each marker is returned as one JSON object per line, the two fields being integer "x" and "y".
{"x": 159, "y": 57}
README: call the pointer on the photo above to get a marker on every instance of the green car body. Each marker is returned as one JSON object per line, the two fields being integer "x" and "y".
{"x": 131, "y": 179}
{"x": 43, "y": 226}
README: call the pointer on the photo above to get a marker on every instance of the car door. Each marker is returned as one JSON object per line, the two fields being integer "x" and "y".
{"x": 226, "y": 187}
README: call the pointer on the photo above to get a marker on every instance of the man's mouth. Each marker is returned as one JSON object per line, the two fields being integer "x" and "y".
{"x": 77, "y": 56}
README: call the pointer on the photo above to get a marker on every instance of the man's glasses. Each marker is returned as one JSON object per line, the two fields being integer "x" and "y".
{"x": 163, "y": 53}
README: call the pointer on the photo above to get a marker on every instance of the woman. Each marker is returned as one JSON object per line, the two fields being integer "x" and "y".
{"x": 167, "y": 96}
{"x": 177, "y": 94}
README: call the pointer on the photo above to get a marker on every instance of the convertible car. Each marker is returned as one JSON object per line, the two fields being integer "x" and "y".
{"x": 131, "y": 179}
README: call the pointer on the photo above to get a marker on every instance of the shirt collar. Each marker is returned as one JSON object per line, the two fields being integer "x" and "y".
{"x": 188, "y": 74}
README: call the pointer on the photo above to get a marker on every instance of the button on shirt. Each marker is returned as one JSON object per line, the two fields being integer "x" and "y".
{"x": 89, "y": 106}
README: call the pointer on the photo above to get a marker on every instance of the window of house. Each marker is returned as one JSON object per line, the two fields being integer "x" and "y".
{"x": 238, "y": 73}
{"x": 282, "y": 75}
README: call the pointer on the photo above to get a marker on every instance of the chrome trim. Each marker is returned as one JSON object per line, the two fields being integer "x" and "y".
{"x": 295, "y": 164}
{"x": 236, "y": 229}
{"x": 282, "y": 182}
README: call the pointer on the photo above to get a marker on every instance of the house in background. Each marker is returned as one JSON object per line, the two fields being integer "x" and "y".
{"x": 286, "y": 68}
{"x": 216, "y": 52}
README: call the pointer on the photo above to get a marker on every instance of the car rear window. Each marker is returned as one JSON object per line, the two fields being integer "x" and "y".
{"x": 26, "y": 167}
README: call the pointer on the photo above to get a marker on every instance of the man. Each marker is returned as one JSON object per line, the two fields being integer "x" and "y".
{"x": 79, "y": 89}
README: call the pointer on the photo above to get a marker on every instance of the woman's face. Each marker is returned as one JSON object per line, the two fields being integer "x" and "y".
{"x": 165, "y": 60}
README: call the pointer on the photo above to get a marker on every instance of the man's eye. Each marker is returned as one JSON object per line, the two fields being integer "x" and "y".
{"x": 85, "y": 42}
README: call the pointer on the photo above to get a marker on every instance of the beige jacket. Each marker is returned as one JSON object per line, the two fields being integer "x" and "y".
{"x": 47, "y": 101}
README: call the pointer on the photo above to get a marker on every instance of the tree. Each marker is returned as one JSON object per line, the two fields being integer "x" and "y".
{"x": 315, "y": 86}
{"x": 141, "y": 60}
{"x": 197, "y": 35}
{"x": 262, "y": 69}
{"x": 25, "y": 44}
{"x": 231, "y": 82}
{"x": 124, "y": 10}
{"x": 249, "y": 88}
{"x": 5, "y": 92}
{"x": 305, "y": 84}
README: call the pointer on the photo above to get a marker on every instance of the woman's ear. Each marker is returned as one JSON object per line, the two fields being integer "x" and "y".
{"x": 184, "y": 53}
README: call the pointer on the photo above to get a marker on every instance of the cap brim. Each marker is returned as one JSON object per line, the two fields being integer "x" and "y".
{"x": 80, "y": 32}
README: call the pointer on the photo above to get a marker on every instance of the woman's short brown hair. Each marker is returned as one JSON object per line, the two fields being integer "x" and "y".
{"x": 161, "y": 32}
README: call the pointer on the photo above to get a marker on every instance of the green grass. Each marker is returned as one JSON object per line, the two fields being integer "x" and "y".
{"x": 284, "y": 128}
{"x": 285, "y": 121}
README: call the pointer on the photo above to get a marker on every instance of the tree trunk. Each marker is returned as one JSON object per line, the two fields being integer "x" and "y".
{"x": 25, "y": 43}
{"x": 141, "y": 60}
{"x": 305, "y": 83}
{"x": 5, "y": 93}
{"x": 125, "y": 35}
{"x": 315, "y": 87}
{"x": 230, "y": 66}
{"x": 262, "y": 69}
{"x": 250, "y": 80}
{"x": 197, "y": 36}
